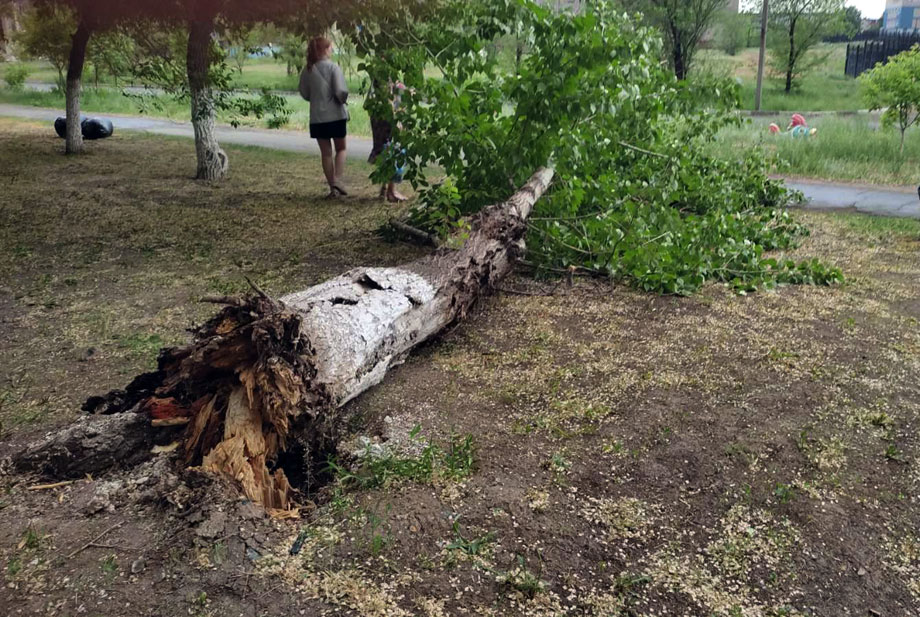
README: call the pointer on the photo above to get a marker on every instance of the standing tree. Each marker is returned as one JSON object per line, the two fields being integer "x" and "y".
{"x": 66, "y": 36}
{"x": 734, "y": 31}
{"x": 209, "y": 89}
{"x": 797, "y": 26}
{"x": 853, "y": 19}
{"x": 46, "y": 33}
{"x": 895, "y": 87}
{"x": 683, "y": 24}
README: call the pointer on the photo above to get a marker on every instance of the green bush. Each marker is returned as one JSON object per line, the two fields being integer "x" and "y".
{"x": 895, "y": 87}
{"x": 15, "y": 76}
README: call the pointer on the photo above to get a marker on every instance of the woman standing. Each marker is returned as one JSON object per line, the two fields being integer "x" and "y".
{"x": 323, "y": 84}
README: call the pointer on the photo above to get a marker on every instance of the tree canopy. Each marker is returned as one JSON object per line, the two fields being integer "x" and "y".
{"x": 797, "y": 27}
{"x": 895, "y": 87}
{"x": 682, "y": 23}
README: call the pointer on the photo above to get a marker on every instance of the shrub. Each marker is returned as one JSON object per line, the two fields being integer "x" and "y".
{"x": 895, "y": 86}
{"x": 15, "y": 76}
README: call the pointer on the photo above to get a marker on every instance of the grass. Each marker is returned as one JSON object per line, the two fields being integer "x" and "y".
{"x": 846, "y": 149}
{"x": 106, "y": 273}
{"x": 257, "y": 73}
{"x": 826, "y": 88}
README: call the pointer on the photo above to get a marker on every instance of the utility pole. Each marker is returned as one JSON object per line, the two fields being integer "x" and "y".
{"x": 764, "y": 18}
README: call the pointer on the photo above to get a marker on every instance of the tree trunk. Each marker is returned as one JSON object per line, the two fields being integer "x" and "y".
{"x": 790, "y": 63}
{"x": 254, "y": 397}
{"x": 74, "y": 85}
{"x": 212, "y": 160}
{"x": 680, "y": 67}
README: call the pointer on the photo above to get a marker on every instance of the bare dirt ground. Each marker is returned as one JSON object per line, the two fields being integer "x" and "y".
{"x": 597, "y": 451}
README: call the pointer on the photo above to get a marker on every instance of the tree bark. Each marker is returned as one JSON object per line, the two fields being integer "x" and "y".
{"x": 254, "y": 396}
{"x": 790, "y": 64}
{"x": 74, "y": 138}
{"x": 680, "y": 69}
{"x": 212, "y": 160}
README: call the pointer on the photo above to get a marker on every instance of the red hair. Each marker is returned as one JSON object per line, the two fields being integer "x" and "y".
{"x": 316, "y": 50}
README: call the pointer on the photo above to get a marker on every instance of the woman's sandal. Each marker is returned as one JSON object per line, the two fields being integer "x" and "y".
{"x": 337, "y": 188}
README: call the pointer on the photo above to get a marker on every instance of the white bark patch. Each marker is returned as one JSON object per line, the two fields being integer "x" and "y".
{"x": 358, "y": 324}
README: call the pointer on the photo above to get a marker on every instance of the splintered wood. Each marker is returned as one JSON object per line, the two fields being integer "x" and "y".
{"x": 245, "y": 452}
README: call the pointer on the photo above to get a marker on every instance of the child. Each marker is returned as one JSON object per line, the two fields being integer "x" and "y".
{"x": 383, "y": 142}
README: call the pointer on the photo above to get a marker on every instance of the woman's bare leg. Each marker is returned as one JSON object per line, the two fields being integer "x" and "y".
{"x": 328, "y": 156}
{"x": 341, "y": 153}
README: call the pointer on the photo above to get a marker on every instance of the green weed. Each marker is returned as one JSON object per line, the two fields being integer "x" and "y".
{"x": 109, "y": 566}
{"x": 784, "y": 493}
{"x": 472, "y": 547}
{"x": 14, "y": 566}
{"x": 521, "y": 579}
{"x": 452, "y": 461}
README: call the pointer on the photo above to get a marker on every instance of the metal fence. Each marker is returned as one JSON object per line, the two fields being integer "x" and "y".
{"x": 864, "y": 56}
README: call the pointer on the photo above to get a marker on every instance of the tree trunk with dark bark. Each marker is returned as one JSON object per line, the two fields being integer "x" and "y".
{"x": 254, "y": 396}
{"x": 790, "y": 64}
{"x": 680, "y": 65}
{"x": 212, "y": 160}
{"x": 74, "y": 136}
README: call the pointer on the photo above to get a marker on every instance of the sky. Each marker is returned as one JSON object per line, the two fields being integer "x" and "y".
{"x": 869, "y": 8}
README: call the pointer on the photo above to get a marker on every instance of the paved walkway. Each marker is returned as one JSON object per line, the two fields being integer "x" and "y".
{"x": 820, "y": 195}
{"x": 290, "y": 141}
{"x": 865, "y": 199}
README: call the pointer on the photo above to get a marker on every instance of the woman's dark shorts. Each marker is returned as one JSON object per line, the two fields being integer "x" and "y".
{"x": 329, "y": 130}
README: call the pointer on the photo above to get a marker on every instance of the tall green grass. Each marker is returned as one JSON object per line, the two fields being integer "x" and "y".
{"x": 847, "y": 149}
{"x": 826, "y": 88}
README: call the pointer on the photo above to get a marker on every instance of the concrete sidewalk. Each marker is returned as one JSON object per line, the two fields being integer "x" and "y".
{"x": 866, "y": 199}
{"x": 289, "y": 141}
{"x": 819, "y": 195}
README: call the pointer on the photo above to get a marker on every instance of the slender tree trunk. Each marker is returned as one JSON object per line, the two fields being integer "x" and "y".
{"x": 212, "y": 160}
{"x": 74, "y": 85}
{"x": 790, "y": 64}
{"x": 761, "y": 60}
{"x": 680, "y": 66}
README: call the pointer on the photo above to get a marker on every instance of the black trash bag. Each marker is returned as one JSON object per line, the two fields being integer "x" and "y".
{"x": 97, "y": 128}
{"x": 92, "y": 128}
{"x": 60, "y": 126}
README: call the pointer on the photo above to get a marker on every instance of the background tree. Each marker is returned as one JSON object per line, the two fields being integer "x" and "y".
{"x": 895, "y": 87}
{"x": 683, "y": 24}
{"x": 796, "y": 28}
{"x": 111, "y": 53}
{"x": 63, "y": 29}
{"x": 45, "y": 34}
{"x": 852, "y": 21}
{"x": 207, "y": 88}
{"x": 734, "y": 31}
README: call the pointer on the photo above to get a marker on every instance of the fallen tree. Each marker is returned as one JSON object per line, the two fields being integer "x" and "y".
{"x": 254, "y": 396}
